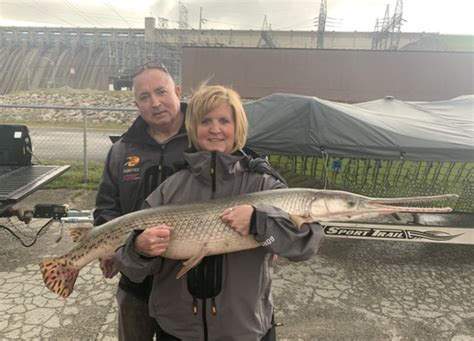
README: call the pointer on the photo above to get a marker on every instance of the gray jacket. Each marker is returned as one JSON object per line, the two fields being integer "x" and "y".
{"x": 244, "y": 305}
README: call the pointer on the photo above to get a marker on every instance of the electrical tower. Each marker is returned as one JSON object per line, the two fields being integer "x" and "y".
{"x": 387, "y": 30}
{"x": 379, "y": 39}
{"x": 183, "y": 23}
{"x": 162, "y": 28}
{"x": 266, "y": 39}
{"x": 321, "y": 24}
{"x": 397, "y": 22}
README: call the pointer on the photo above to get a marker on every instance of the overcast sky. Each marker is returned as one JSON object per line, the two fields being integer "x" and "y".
{"x": 443, "y": 16}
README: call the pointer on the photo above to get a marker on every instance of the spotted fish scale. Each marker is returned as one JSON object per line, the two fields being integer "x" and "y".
{"x": 198, "y": 230}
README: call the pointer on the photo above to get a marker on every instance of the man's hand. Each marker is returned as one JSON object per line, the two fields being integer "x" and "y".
{"x": 238, "y": 218}
{"x": 153, "y": 241}
{"x": 108, "y": 267}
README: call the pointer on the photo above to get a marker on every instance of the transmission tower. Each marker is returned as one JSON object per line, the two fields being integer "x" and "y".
{"x": 266, "y": 39}
{"x": 183, "y": 16}
{"x": 183, "y": 23}
{"x": 381, "y": 31}
{"x": 397, "y": 22}
{"x": 163, "y": 27}
{"x": 321, "y": 24}
{"x": 387, "y": 30}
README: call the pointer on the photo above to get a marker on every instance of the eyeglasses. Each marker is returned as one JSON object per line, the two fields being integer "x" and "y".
{"x": 150, "y": 65}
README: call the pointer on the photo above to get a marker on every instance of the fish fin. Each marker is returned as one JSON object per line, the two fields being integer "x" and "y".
{"x": 78, "y": 232}
{"x": 192, "y": 262}
{"x": 298, "y": 219}
{"x": 59, "y": 275}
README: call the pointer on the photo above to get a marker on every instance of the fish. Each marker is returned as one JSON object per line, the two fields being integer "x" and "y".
{"x": 197, "y": 229}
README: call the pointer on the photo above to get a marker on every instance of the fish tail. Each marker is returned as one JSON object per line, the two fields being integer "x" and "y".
{"x": 59, "y": 275}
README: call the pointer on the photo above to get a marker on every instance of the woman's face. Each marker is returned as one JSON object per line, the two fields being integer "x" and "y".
{"x": 216, "y": 131}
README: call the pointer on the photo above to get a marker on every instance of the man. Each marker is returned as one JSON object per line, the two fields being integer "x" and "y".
{"x": 136, "y": 164}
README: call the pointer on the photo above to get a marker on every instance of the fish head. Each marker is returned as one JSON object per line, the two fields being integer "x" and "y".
{"x": 346, "y": 206}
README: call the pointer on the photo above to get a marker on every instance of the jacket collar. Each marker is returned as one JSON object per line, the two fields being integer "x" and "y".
{"x": 225, "y": 166}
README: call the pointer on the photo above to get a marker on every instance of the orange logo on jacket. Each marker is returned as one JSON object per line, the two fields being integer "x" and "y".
{"x": 132, "y": 161}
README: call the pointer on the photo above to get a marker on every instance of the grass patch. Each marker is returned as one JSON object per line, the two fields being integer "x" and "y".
{"x": 74, "y": 177}
{"x": 381, "y": 178}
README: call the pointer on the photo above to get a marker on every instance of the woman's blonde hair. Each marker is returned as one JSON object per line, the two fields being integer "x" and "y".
{"x": 208, "y": 98}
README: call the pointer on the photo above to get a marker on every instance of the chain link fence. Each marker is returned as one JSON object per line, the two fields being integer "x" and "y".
{"x": 382, "y": 178}
{"x": 83, "y": 135}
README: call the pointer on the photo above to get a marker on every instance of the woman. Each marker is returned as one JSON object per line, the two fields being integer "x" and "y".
{"x": 226, "y": 297}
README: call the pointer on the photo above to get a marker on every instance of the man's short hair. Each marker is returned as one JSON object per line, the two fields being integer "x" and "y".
{"x": 138, "y": 70}
{"x": 149, "y": 65}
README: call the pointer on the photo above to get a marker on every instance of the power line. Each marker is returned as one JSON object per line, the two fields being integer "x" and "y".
{"x": 78, "y": 11}
{"x": 305, "y": 23}
{"x": 113, "y": 10}
{"x": 38, "y": 7}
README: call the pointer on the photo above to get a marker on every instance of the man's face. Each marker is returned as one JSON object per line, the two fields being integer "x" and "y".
{"x": 157, "y": 98}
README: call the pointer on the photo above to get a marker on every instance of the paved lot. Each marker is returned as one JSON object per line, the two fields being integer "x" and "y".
{"x": 352, "y": 289}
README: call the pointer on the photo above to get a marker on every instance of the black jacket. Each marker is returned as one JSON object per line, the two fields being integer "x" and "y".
{"x": 136, "y": 164}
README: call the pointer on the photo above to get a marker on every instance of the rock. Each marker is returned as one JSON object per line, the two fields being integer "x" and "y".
{"x": 68, "y": 97}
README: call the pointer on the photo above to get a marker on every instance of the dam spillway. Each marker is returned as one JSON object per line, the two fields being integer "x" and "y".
{"x": 39, "y": 58}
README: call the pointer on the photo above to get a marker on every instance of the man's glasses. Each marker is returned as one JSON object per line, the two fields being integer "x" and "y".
{"x": 150, "y": 65}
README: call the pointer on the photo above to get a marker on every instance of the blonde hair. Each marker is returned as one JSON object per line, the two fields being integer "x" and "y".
{"x": 208, "y": 98}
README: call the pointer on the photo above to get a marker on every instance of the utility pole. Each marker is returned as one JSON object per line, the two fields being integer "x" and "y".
{"x": 201, "y": 21}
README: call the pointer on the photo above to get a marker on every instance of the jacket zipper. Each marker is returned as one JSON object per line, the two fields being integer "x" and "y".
{"x": 213, "y": 194}
{"x": 213, "y": 175}
{"x": 160, "y": 165}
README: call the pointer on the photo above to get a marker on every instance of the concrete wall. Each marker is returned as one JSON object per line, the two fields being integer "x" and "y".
{"x": 281, "y": 39}
{"x": 38, "y": 57}
{"x": 216, "y": 38}
{"x": 340, "y": 75}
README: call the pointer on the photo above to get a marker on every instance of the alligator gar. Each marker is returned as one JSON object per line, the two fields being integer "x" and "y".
{"x": 197, "y": 230}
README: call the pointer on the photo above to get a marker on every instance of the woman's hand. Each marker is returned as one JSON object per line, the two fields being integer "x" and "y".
{"x": 153, "y": 241}
{"x": 238, "y": 218}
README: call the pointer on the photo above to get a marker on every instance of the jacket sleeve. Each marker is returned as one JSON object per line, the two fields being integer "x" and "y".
{"x": 107, "y": 203}
{"x": 278, "y": 234}
{"x": 132, "y": 264}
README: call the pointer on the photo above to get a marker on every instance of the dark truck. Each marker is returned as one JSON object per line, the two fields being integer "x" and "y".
{"x": 123, "y": 80}
{"x": 19, "y": 177}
